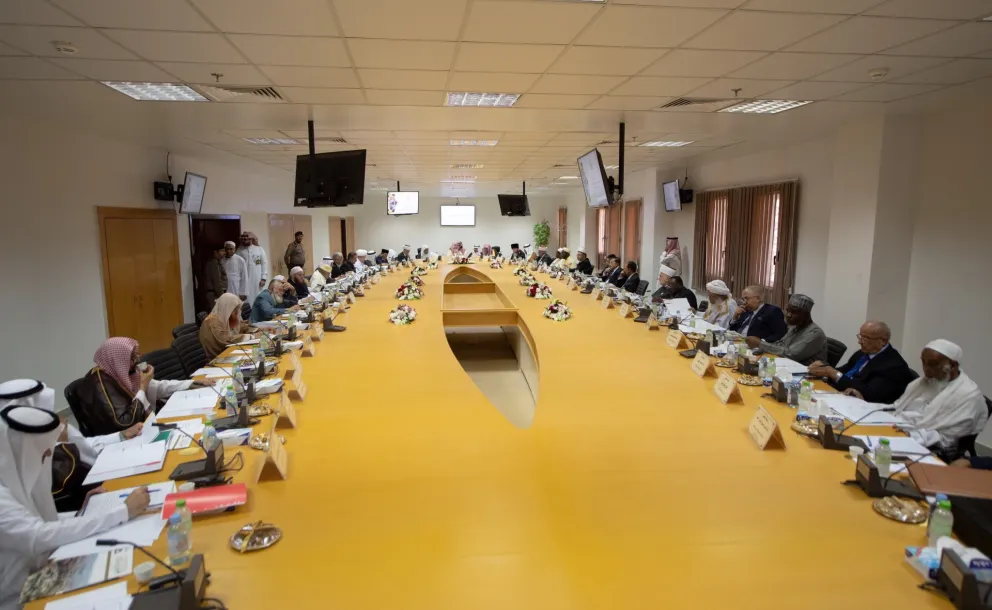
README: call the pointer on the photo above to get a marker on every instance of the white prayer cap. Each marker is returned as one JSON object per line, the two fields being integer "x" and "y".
{"x": 945, "y": 347}
{"x": 325, "y": 268}
{"x": 362, "y": 253}
{"x": 280, "y": 278}
{"x": 295, "y": 270}
{"x": 582, "y": 250}
{"x": 228, "y": 244}
{"x": 561, "y": 249}
{"x": 542, "y": 247}
{"x": 424, "y": 247}
{"x": 717, "y": 287}
{"x": 669, "y": 271}
{"x": 406, "y": 247}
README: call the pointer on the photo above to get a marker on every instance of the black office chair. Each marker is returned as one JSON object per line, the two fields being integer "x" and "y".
{"x": 191, "y": 353}
{"x": 82, "y": 422}
{"x": 245, "y": 311}
{"x": 835, "y": 351}
{"x": 184, "y": 329}
{"x": 167, "y": 364}
{"x": 703, "y": 306}
{"x": 642, "y": 287}
{"x": 200, "y": 317}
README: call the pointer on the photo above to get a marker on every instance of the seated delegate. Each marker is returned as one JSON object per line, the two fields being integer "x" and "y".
{"x": 298, "y": 281}
{"x": 804, "y": 342}
{"x": 722, "y": 305}
{"x": 677, "y": 290}
{"x": 584, "y": 265}
{"x": 663, "y": 292}
{"x": 613, "y": 271}
{"x": 876, "y": 372}
{"x": 223, "y": 326}
{"x": 629, "y": 279}
{"x": 269, "y": 303}
{"x": 757, "y": 318}
{"x": 115, "y": 395}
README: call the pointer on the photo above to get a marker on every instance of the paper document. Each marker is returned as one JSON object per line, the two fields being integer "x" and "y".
{"x": 898, "y": 444}
{"x": 677, "y": 307}
{"x": 191, "y": 427}
{"x": 786, "y": 364}
{"x": 124, "y": 460}
{"x": 105, "y": 502}
{"x": 268, "y": 386}
{"x": 248, "y": 342}
{"x": 200, "y": 401}
{"x": 701, "y": 327}
{"x": 111, "y": 597}
{"x": 143, "y": 531}
{"x": 855, "y": 409}
{"x": 900, "y": 468}
{"x": 211, "y": 371}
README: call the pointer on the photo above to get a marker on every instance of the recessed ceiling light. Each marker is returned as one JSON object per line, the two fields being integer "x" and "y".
{"x": 492, "y": 100}
{"x": 765, "y": 106}
{"x": 158, "y": 92}
{"x": 379, "y": 188}
{"x": 461, "y": 177}
{"x": 272, "y": 141}
{"x": 568, "y": 178}
{"x": 466, "y": 166}
{"x": 612, "y": 167}
{"x": 474, "y": 142}
{"x": 457, "y": 181}
{"x": 666, "y": 144}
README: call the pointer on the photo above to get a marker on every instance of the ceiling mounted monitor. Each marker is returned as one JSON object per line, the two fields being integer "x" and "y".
{"x": 402, "y": 203}
{"x": 513, "y": 205}
{"x": 594, "y": 180}
{"x": 336, "y": 179}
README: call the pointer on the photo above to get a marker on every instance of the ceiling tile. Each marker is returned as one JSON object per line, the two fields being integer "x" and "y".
{"x": 952, "y": 73}
{"x": 512, "y": 138}
{"x": 33, "y": 12}
{"x": 157, "y": 15}
{"x": 494, "y": 82}
{"x": 575, "y": 84}
{"x": 420, "y": 20}
{"x": 427, "y": 80}
{"x": 869, "y": 35}
{"x": 522, "y": 22}
{"x": 406, "y": 55}
{"x": 178, "y": 46}
{"x": 794, "y": 66}
{"x": 203, "y": 74}
{"x": 896, "y": 66}
{"x": 961, "y": 41}
{"x": 744, "y": 30}
{"x": 659, "y": 86}
{"x": 812, "y": 91}
{"x": 420, "y": 135}
{"x": 692, "y": 62}
{"x": 292, "y": 50}
{"x": 841, "y": 7}
{"x": 541, "y": 100}
{"x": 32, "y": 68}
{"x": 638, "y": 26}
{"x": 943, "y": 9}
{"x": 309, "y": 95}
{"x": 117, "y": 70}
{"x": 292, "y": 76}
{"x": 886, "y": 92}
{"x": 724, "y": 88}
{"x": 604, "y": 60}
{"x": 292, "y": 17}
{"x": 623, "y": 102}
{"x": 367, "y": 135}
{"x": 686, "y": 3}
{"x": 6, "y": 49}
{"x": 37, "y": 40}
{"x": 405, "y": 98}
{"x": 519, "y": 58}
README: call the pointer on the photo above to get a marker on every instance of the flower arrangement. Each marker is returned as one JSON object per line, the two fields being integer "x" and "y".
{"x": 418, "y": 271}
{"x": 460, "y": 259}
{"x": 521, "y": 271}
{"x": 409, "y": 292}
{"x": 432, "y": 265}
{"x": 416, "y": 281}
{"x": 558, "y": 311}
{"x": 496, "y": 264}
{"x": 527, "y": 280}
{"x": 538, "y": 291}
{"x": 403, "y": 314}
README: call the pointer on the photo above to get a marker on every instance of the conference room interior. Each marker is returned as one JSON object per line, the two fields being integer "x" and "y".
{"x": 877, "y": 124}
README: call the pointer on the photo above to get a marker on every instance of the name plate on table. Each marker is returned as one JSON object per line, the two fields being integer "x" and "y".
{"x": 765, "y": 431}
{"x": 702, "y": 365}
{"x": 726, "y": 389}
{"x": 295, "y": 374}
{"x": 287, "y": 412}
{"x": 275, "y": 466}
{"x": 608, "y": 303}
{"x": 375, "y": 279}
{"x": 676, "y": 339}
{"x": 318, "y": 332}
{"x": 575, "y": 285}
{"x": 294, "y": 367}
{"x": 568, "y": 284}
{"x": 351, "y": 297}
{"x": 653, "y": 323}
{"x": 299, "y": 392}
{"x": 597, "y": 294}
{"x": 308, "y": 349}
{"x": 625, "y": 310}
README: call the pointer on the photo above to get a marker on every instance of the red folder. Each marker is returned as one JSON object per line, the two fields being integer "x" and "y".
{"x": 207, "y": 499}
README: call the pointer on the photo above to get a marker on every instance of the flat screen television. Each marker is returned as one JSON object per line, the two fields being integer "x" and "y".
{"x": 401, "y": 203}
{"x": 336, "y": 179}
{"x": 594, "y": 180}
{"x": 513, "y": 205}
{"x": 673, "y": 201}
{"x": 193, "y": 189}
{"x": 457, "y": 215}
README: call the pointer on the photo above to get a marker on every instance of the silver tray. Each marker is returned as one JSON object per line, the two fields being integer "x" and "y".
{"x": 255, "y": 537}
{"x": 901, "y": 509}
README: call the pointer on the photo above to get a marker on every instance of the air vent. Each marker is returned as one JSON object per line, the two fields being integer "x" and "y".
{"x": 371, "y": 165}
{"x": 564, "y": 165}
{"x": 606, "y": 142}
{"x": 332, "y": 140}
{"x": 254, "y": 95}
{"x": 697, "y": 104}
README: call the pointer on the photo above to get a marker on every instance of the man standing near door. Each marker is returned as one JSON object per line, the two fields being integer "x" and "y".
{"x": 237, "y": 271}
{"x": 258, "y": 264}
{"x": 214, "y": 277}
{"x": 295, "y": 256}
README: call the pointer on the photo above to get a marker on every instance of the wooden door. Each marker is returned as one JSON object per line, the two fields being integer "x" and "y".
{"x": 335, "y": 230}
{"x": 302, "y": 222}
{"x": 280, "y": 234}
{"x": 205, "y": 233}
{"x": 141, "y": 282}
{"x": 562, "y": 227}
{"x": 349, "y": 234}
{"x": 632, "y": 231}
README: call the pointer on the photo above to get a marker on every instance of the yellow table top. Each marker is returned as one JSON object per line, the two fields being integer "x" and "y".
{"x": 634, "y": 488}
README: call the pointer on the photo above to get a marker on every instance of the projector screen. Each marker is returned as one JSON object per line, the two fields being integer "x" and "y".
{"x": 457, "y": 215}
{"x": 399, "y": 203}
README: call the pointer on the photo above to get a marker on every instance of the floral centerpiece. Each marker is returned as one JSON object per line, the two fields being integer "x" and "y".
{"x": 538, "y": 291}
{"x": 527, "y": 280}
{"x": 416, "y": 281}
{"x": 558, "y": 311}
{"x": 521, "y": 271}
{"x": 432, "y": 265}
{"x": 496, "y": 264}
{"x": 403, "y": 314}
{"x": 418, "y": 271}
{"x": 460, "y": 259}
{"x": 409, "y": 292}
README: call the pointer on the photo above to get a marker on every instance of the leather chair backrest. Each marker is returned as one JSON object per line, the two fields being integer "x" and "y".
{"x": 835, "y": 351}
{"x": 167, "y": 364}
{"x": 191, "y": 353}
{"x": 184, "y": 329}
{"x": 77, "y": 408}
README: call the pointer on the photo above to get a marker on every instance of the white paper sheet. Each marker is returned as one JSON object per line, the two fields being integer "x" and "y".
{"x": 191, "y": 427}
{"x": 106, "y": 502}
{"x": 143, "y": 531}
{"x": 190, "y": 402}
{"x": 701, "y": 327}
{"x": 210, "y": 372}
{"x": 124, "y": 460}
{"x": 899, "y": 468}
{"x": 248, "y": 342}
{"x": 268, "y": 386}
{"x": 111, "y": 597}
{"x": 898, "y": 444}
{"x": 786, "y": 364}
{"x": 854, "y": 409}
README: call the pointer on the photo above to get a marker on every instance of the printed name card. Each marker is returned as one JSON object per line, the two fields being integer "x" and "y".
{"x": 608, "y": 303}
{"x": 597, "y": 294}
{"x": 308, "y": 348}
{"x": 765, "y": 431}
{"x": 575, "y": 285}
{"x": 317, "y": 333}
{"x": 653, "y": 323}
{"x": 625, "y": 310}
{"x": 726, "y": 389}
{"x": 275, "y": 466}
{"x": 375, "y": 279}
{"x": 295, "y": 373}
{"x": 676, "y": 339}
{"x": 300, "y": 392}
{"x": 702, "y": 365}
{"x": 286, "y": 417}
{"x": 351, "y": 297}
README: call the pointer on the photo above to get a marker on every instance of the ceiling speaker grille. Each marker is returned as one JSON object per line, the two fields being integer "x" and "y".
{"x": 696, "y": 104}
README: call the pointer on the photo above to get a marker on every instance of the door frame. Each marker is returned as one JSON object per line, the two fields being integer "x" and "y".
{"x": 105, "y": 213}
{"x": 192, "y": 254}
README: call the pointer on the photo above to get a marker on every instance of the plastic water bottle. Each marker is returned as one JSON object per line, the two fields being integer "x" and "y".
{"x": 732, "y": 352}
{"x": 263, "y": 342}
{"x": 806, "y": 396}
{"x": 209, "y": 438}
{"x": 770, "y": 367}
{"x": 763, "y": 367}
{"x": 180, "y": 535}
{"x": 231, "y": 402}
{"x": 692, "y": 321}
{"x": 933, "y": 508}
{"x": 941, "y": 522}
{"x": 883, "y": 457}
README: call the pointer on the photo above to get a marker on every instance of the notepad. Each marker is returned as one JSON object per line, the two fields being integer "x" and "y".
{"x": 200, "y": 401}
{"x": 111, "y": 597}
{"x": 142, "y": 531}
{"x": 677, "y": 307}
{"x": 105, "y": 502}
{"x": 854, "y": 409}
{"x": 124, "y": 460}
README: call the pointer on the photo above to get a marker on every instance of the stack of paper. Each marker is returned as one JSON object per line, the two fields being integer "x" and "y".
{"x": 200, "y": 401}
{"x": 106, "y": 502}
{"x": 143, "y": 531}
{"x": 179, "y": 440}
{"x": 855, "y": 409}
{"x": 111, "y": 597}
{"x": 211, "y": 371}
{"x": 677, "y": 307}
{"x": 126, "y": 460}
{"x": 786, "y": 364}
{"x": 899, "y": 445}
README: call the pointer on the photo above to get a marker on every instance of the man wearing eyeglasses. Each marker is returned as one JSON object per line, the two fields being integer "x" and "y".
{"x": 877, "y": 372}
{"x": 759, "y": 319}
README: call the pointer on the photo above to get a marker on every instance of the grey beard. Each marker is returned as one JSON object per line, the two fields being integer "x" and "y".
{"x": 939, "y": 384}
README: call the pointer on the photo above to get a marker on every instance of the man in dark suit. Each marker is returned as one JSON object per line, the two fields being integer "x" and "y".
{"x": 629, "y": 278}
{"x": 612, "y": 272}
{"x": 876, "y": 372}
{"x": 757, "y": 318}
{"x": 584, "y": 266}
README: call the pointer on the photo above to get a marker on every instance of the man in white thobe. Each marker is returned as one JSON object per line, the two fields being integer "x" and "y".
{"x": 362, "y": 261}
{"x": 258, "y": 264}
{"x": 237, "y": 271}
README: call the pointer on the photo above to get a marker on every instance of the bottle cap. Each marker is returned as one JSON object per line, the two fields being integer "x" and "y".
{"x": 884, "y": 441}
{"x": 945, "y": 504}
{"x": 180, "y": 503}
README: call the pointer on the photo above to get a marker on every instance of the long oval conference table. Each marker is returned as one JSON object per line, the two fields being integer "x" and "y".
{"x": 634, "y": 488}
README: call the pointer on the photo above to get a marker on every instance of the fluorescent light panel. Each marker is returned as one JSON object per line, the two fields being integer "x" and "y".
{"x": 474, "y": 142}
{"x": 466, "y": 166}
{"x": 666, "y": 144}
{"x": 568, "y": 178}
{"x": 273, "y": 141}
{"x": 612, "y": 167}
{"x": 156, "y": 92}
{"x": 765, "y": 106}
{"x": 491, "y": 100}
